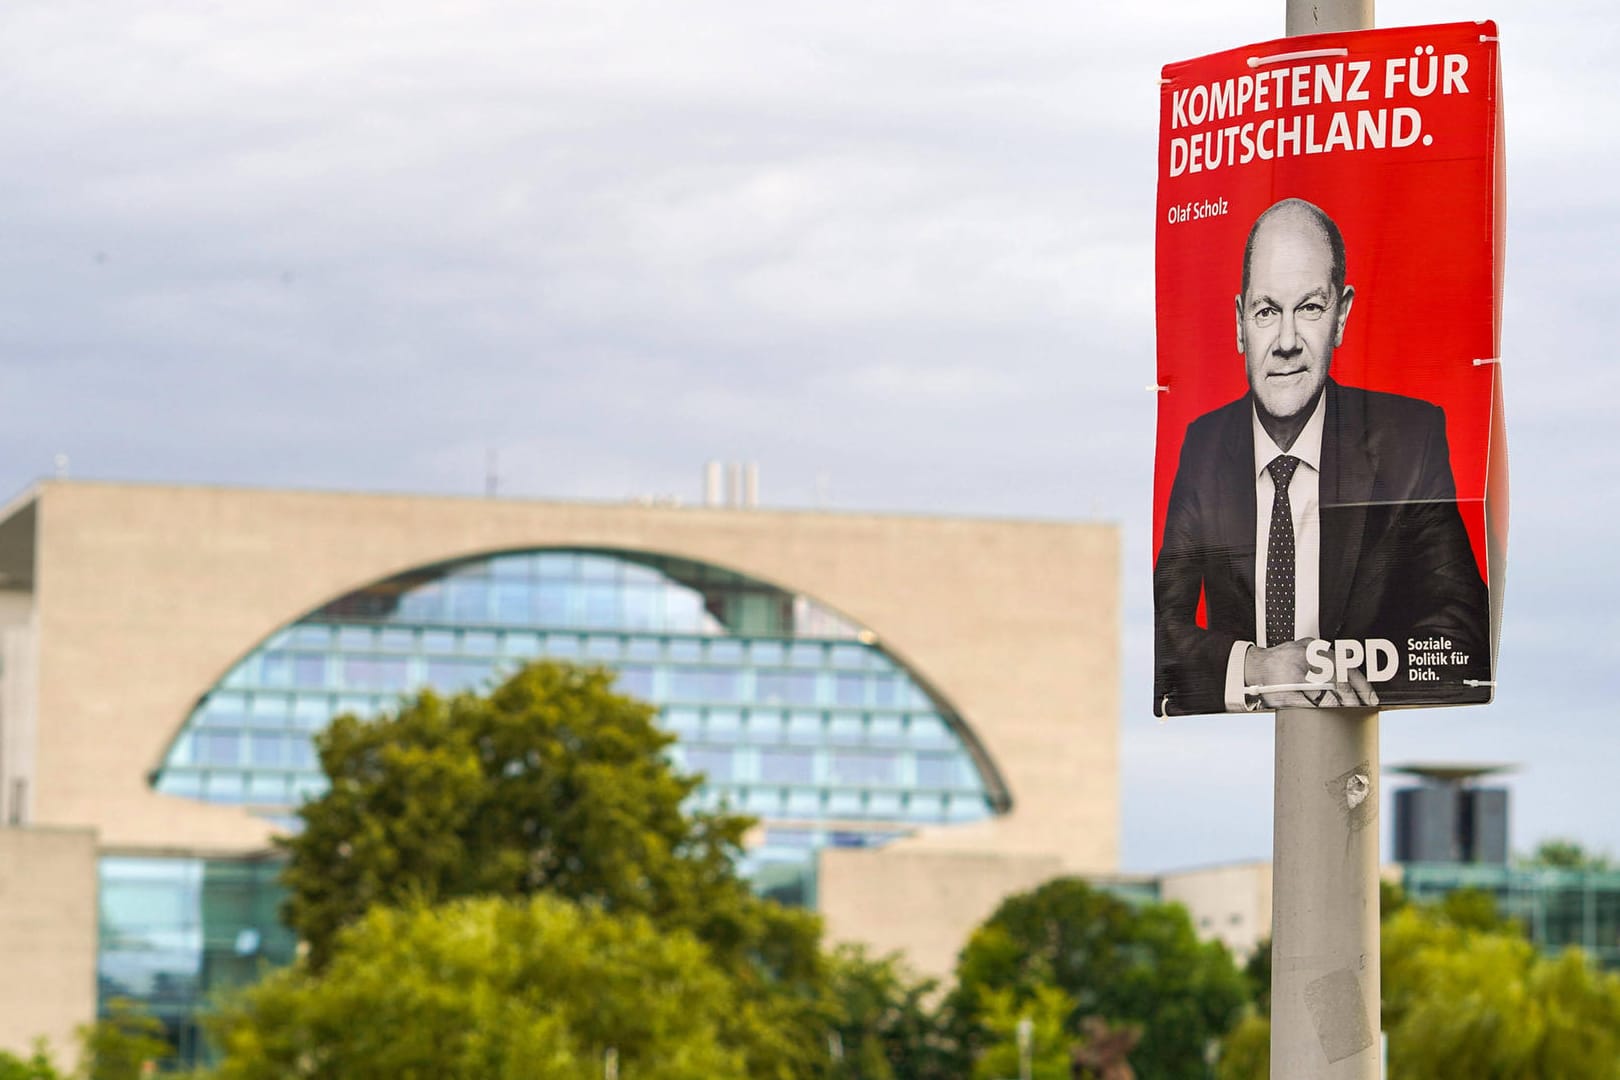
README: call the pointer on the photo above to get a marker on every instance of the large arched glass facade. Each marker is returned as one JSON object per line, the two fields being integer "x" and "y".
{"x": 792, "y": 713}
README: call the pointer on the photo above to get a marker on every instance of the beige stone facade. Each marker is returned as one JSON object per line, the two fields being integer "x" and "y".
{"x": 1230, "y": 903}
{"x": 47, "y": 936}
{"x": 923, "y": 904}
{"x": 121, "y": 604}
{"x": 145, "y": 596}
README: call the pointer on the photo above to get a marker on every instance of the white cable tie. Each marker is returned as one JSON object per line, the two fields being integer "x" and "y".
{"x": 1304, "y": 54}
{"x": 1483, "y": 38}
{"x": 1164, "y": 81}
{"x": 1488, "y": 360}
{"x": 1153, "y": 388}
{"x": 1479, "y": 682}
{"x": 1279, "y": 688}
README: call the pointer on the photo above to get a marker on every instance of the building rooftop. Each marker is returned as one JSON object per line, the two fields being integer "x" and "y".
{"x": 1452, "y": 772}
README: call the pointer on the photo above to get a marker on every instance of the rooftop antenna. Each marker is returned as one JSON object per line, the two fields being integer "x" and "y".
{"x": 62, "y": 463}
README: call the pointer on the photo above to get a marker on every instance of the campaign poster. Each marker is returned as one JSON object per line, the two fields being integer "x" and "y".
{"x": 1329, "y": 514}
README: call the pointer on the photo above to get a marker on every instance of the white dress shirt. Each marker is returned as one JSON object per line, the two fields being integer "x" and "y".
{"x": 1304, "y": 500}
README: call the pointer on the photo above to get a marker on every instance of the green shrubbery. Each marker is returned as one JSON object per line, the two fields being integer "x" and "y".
{"x": 508, "y": 885}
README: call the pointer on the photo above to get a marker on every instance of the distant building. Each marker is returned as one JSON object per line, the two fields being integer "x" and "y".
{"x": 1450, "y": 833}
{"x": 1557, "y": 908}
{"x": 1449, "y": 817}
{"x": 1229, "y": 902}
{"x": 922, "y": 711}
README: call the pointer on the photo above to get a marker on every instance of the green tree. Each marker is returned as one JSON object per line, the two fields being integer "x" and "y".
{"x": 1118, "y": 961}
{"x": 1047, "y": 1011}
{"x": 1257, "y": 973}
{"x": 886, "y": 1027}
{"x": 124, "y": 1044}
{"x": 1246, "y": 1051}
{"x": 1560, "y": 853}
{"x": 1391, "y": 897}
{"x": 1465, "y": 1002}
{"x": 552, "y": 784}
{"x": 1467, "y": 997}
{"x": 492, "y": 989}
{"x": 1475, "y": 909}
{"x": 36, "y": 1066}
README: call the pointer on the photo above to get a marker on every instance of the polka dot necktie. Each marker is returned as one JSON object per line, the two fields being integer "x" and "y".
{"x": 1280, "y": 554}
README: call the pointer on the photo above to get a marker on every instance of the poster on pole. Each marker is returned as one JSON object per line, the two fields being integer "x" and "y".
{"x": 1330, "y": 483}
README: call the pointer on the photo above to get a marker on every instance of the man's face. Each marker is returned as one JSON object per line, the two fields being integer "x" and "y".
{"x": 1290, "y": 321}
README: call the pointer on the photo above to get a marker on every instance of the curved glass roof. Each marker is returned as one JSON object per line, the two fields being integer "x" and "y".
{"x": 793, "y": 713}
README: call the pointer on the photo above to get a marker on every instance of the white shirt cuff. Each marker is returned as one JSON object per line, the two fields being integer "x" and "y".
{"x": 1235, "y": 698}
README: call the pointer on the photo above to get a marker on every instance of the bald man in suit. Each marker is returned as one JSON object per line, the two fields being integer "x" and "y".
{"x": 1309, "y": 515}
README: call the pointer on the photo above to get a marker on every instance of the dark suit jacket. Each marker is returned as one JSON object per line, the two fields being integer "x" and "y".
{"x": 1395, "y": 558}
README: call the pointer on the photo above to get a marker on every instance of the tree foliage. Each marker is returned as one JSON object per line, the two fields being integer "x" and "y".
{"x": 1560, "y": 853}
{"x": 1118, "y": 961}
{"x": 1474, "y": 909}
{"x": 36, "y": 1066}
{"x": 1246, "y": 1050}
{"x": 489, "y": 989}
{"x": 554, "y": 785}
{"x": 124, "y": 1044}
{"x": 886, "y": 1027}
{"x": 1467, "y": 997}
{"x": 1257, "y": 974}
{"x": 1391, "y": 897}
{"x": 1466, "y": 1002}
{"x": 1047, "y": 1011}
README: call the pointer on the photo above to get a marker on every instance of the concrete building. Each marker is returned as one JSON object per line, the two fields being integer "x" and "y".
{"x": 47, "y": 934}
{"x": 1450, "y": 817}
{"x": 1450, "y": 833}
{"x": 922, "y": 711}
{"x": 1230, "y": 902}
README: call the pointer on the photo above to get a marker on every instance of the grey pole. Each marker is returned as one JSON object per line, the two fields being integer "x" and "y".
{"x": 1324, "y": 16}
{"x": 1325, "y": 979}
{"x": 1324, "y": 896}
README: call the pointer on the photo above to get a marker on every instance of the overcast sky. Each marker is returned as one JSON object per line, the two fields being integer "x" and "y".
{"x": 899, "y": 253}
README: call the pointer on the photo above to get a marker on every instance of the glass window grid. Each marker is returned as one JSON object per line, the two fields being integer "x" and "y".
{"x": 174, "y": 932}
{"x": 923, "y": 765}
{"x": 459, "y": 630}
{"x": 1557, "y": 908}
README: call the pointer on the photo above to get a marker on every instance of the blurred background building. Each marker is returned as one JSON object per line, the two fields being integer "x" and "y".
{"x": 1450, "y": 833}
{"x": 922, "y": 712}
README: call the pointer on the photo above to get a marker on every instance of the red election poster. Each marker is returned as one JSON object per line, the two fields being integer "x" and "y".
{"x": 1330, "y": 486}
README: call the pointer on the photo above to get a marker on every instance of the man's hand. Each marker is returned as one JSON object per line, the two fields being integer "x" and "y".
{"x": 1359, "y": 692}
{"x": 1277, "y": 665}
{"x": 1284, "y": 664}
